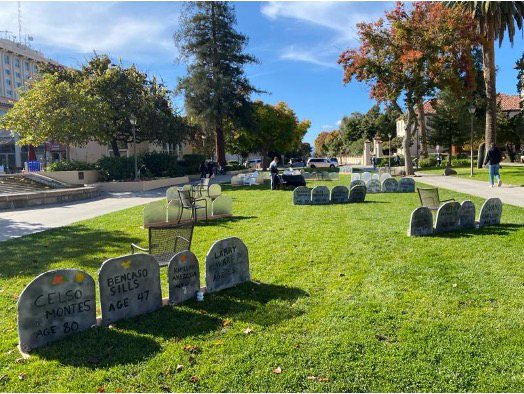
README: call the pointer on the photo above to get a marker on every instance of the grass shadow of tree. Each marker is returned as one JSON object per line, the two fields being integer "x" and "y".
{"x": 33, "y": 254}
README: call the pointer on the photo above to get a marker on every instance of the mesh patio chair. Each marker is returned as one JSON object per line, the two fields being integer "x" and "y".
{"x": 429, "y": 198}
{"x": 203, "y": 185}
{"x": 188, "y": 202}
{"x": 166, "y": 241}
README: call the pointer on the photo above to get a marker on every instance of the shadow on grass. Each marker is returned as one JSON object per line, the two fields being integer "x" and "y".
{"x": 260, "y": 303}
{"x": 100, "y": 347}
{"x": 33, "y": 254}
{"x": 221, "y": 221}
{"x": 501, "y": 229}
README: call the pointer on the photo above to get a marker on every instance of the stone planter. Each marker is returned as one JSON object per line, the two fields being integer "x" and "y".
{"x": 139, "y": 186}
{"x": 73, "y": 177}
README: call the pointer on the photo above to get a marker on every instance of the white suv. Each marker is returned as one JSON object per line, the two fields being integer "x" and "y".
{"x": 318, "y": 163}
{"x": 253, "y": 163}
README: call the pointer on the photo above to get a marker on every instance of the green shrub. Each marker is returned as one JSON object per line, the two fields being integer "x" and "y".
{"x": 74, "y": 165}
{"x": 317, "y": 169}
{"x": 429, "y": 162}
{"x": 160, "y": 165}
{"x": 384, "y": 161}
{"x": 117, "y": 168}
{"x": 461, "y": 162}
{"x": 234, "y": 167}
{"x": 191, "y": 163}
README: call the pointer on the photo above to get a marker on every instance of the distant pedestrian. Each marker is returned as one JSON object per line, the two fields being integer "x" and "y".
{"x": 374, "y": 162}
{"x": 210, "y": 169}
{"x": 273, "y": 170}
{"x": 438, "y": 158}
{"x": 493, "y": 159}
{"x": 396, "y": 159}
{"x": 203, "y": 170}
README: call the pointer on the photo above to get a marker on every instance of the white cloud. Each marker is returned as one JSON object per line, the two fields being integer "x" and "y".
{"x": 338, "y": 18}
{"x": 82, "y": 27}
{"x": 339, "y": 122}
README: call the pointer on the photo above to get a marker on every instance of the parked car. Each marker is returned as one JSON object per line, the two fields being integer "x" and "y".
{"x": 232, "y": 163}
{"x": 319, "y": 163}
{"x": 254, "y": 163}
{"x": 297, "y": 162}
{"x": 334, "y": 161}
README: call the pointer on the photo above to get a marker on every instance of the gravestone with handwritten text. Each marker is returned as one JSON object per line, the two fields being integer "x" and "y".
{"x": 227, "y": 264}
{"x": 490, "y": 212}
{"x": 183, "y": 277}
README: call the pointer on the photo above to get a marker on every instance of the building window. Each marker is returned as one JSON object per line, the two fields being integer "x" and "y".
{"x": 6, "y": 59}
{"x": 26, "y": 76}
{"x": 34, "y": 68}
{"x": 7, "y": 72}
{"x": 8, "y": 92}
{"x": 18, "y": 84}
{"x": 8, "y": 82}
{"x": 18, "y": 75}
{"x": 26, "y": 65}
{"x": 17, "y": 62}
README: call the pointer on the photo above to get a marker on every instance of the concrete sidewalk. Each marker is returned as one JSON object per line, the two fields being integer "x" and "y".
{"x": 508, "y": 194}
{"x": 15, "y": 223}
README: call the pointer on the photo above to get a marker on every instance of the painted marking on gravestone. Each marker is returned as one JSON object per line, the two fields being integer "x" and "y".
{"x": 406, "y": 185}
{"x": 54, "y": 305}
{"x": 356, "y": 182}
{"x": 421, "y": 222}
{"x": 129, "y": 286}
{"x": 357, "y": 193}
{"x": 183, "y": 277}
{"x": 373, "y": 186}
{"x": 302, "y": 195}
{"x": 467, "y": 214}
{"x": 222, "y": 205}
{"x": 389, "y": 185}
{"x": 490, "y": 212}
{"x": 339, "y": 195}
{"x": 227, "y": 264}
{"x": 320, "y": 195}
{"x": 447, "y": 217}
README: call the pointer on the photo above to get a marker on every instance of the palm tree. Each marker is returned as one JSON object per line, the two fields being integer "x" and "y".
{"x": 493, "y": 19}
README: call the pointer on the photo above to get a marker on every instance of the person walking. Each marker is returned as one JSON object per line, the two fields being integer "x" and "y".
{"x": 492, "y": 160}
{"x": 210, "y": 168}
{"x": 374, "y": 161}
{"x": 203, "y": 170}
{"x": 438, "y": 158}
{"x": 273, "y": 170}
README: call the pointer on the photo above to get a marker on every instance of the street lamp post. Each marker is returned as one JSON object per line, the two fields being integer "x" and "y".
{"x": 132, "y": 120}
{"x": 203, "y": 144}
{"x": 389, "y": 155}
{"x": 471, "y": 110}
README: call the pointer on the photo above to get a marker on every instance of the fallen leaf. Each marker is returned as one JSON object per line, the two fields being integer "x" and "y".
{"x": 217, "y": 343}
{"x": 248, "y": 331}
{"x": 192, "y": 349}
{"x": 277, "y": 370}
{"x": 179, "y": 367}
{"x": 225, "y": 323}
{"x": 454, "y": 285}
{"x": 322, "y": 379}
{"x": 10, "y": 351}
{"x": 311, "y": 377}
{"x": 118, "y": 391}
{"x": 193, "y": 379}
{"x": 2, "y": 377}
{"x": 21, "y": 376}
{"x": 15, "y": 296}
{"x": 203, "y": 311}
{"x": 100, "y": 390}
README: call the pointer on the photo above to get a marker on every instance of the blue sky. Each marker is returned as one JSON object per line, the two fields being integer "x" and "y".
{"x": 297, "y": 44}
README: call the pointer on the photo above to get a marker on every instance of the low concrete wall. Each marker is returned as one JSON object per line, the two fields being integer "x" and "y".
{"x": 24, "y": 200}
{"x": 139, "y": 186}
{"x": 73, "y": 177}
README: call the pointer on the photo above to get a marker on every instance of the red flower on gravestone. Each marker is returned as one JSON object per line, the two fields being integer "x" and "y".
{"x": 183, "y": 259}
{"x": 58, "y": 280}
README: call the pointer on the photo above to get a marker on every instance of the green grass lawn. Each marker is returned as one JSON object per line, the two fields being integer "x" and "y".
{"x": 509, "y": 175}
{"x": 342, "y": 300}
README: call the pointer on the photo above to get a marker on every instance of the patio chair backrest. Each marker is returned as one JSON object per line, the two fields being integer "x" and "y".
{"x": 429, "y": 198}
{"x": 185, "y": 198}
{"x": 165, "y": 242}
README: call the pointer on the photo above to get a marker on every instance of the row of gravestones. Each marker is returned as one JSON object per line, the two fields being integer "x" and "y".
{"x": 453, "y": 216}
{"x": 388, "y": 185}
{"x": 239, "y": 181}
{"x": 60, "y": 302}
{"x": 303, "y": 195}
{"x": 321, "y": 176}
{"x": 169, "y": 211}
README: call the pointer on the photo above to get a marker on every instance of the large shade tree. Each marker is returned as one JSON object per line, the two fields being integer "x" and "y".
{"x": 216, "y": 90}
{"x": 417, "y": 51}
{"x": 493, "y": 19}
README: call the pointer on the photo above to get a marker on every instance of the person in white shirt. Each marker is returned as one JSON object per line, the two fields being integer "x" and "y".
{"x": 273, "y": 169}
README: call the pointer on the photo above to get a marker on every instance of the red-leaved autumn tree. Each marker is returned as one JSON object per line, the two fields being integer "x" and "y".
{"x": 412, "y": 53}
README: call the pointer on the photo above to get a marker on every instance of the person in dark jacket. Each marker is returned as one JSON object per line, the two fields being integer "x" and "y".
{"x": 492, "y": 160}
{"x": 203, "y": 170}
{"x": 210, "y": 169}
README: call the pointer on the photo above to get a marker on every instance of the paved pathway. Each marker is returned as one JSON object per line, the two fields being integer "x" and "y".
{"x": 508, "y": 194}
{"x": 15, "y": 223}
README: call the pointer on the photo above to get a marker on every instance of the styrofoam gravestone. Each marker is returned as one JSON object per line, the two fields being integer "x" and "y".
{"x": 227, "y": 264}
{"x": 356, "y": 182}
{"x": 357, "y": 193}
{"x": 172, "y": 193}
{"x": 214, "y": 191}
{"x": 373, "y": 186}
{"x": 384, "y": 176}
{"x": 320, "y": 195}
{"x": 447, "y": 217}
{"x": 235, "y": 180}
{"x": 355, "y": 176}
{"x": 421, "y": 222}
{"x": 467, "y": 214}
{"x": 129, "y": 286}
{"x": 155, "y": 212}
{"x": 222, "y": 205}
{"x": 55, "y": 304}
{"x": 366, "y": 176}
{"x": 406, "y": 185}
{"x": 376, "y": 176}
{"x": 301, "y": 195}
{"x": 306, "y": 175}
{"x": 333, "y": 176}
{"x": 183, "y": 277}
{"x": 389, "y": 185}
{"x": 174, "y": 209}
{"x": 490, "y": 212}
{"x": 339, "y": 195}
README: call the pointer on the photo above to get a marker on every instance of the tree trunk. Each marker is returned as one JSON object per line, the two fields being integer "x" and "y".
{"x": 422, "y": 128}
{"x": 114, "y": 146}
{"x": 406, "y": 141}
{"x": 219, "y": 144}
{"x": 263, "y": 153}
{"x": 488, "y": 60}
